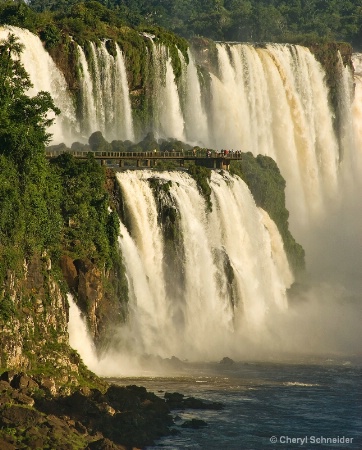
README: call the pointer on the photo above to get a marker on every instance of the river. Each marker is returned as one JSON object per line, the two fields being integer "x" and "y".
{"x": 312, "y": 402}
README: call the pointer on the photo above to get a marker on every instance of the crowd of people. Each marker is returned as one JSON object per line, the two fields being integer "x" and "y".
{"x": 200, "y": 152}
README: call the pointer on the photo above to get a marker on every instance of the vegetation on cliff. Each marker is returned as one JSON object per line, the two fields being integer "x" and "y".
{"x": 28, "y": 188}
{"x": 202, "y": 177}
{"x": 48, "y": 212}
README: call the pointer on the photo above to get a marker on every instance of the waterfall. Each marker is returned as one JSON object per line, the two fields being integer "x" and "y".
{"x": 357, "y": 112}
{"x": 123, "y": 106}
{"x": 274, "y": 101}
{"x": 195, "y": 116}
{"x": 79, "y": 336}
{"x": 271, "y": 101}
{"x": 214, "y": 287}
{"x": 89, "y": 110}
{"x": 168, "y": 119}
{"x": 106, "y": 105}
{"x": 195, "y": 313}
{"x": 45, "y": 76}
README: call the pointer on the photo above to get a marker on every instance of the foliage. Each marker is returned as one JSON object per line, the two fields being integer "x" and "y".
{"x": 267, "y": 185}
{"x": 233, "y": 20}
{"x": 89, "y": 229}
{"x": 7, "y": 308}
{"x": 237, "y": 20}
{"x": 98, "y": 143}
{"x": 51, "y": 35}
{"x": 30, "y": 217}
{"x": 202, "y": 177}
{"x": 18, "y": 14}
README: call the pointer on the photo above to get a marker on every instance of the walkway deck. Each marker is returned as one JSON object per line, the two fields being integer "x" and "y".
{"x": 216, "y": 160}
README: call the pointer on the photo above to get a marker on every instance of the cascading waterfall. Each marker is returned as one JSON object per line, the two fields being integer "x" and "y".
{"x": 105, "y": 101}
{"x": 218, "y": 293}
{"x": 357, "y": 111}
{"x": 167, "y": 114}
{"x": 272, "y": 101}
{"x": 195, "y": 116}
{"x": 89, "y": 110}
{"x": 203, "y": 317}
{"x": 45, "y": 76}
{"x": 79, "y": 336}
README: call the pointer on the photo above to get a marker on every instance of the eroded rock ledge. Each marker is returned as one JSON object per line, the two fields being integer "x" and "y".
{"x": 120, "y": 417}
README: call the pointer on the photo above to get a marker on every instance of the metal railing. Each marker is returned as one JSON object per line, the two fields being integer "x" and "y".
{"x": 189, "y": 154}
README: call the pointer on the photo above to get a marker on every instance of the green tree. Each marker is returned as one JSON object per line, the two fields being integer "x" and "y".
{"x": 23, "y": 120}
{"x": 33, "y": 222}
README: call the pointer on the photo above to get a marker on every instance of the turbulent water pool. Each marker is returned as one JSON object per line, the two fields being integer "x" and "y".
{"x": 310, "y": 404}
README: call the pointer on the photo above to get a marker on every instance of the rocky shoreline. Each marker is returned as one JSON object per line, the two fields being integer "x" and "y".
{"x": 120, "y": 417}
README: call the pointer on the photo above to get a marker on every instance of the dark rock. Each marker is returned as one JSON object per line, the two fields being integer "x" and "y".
{"x": 227, "y": 361}
{"x": 194, "y": 423}
{"x": 22, "y": 381}
{"x": 122, "y": 398}
{"x": 48, "y": 385}
{"x": 104, "y": 444}
{"x": 4, "y": 386}
{"x": 23, "y": 399}
{"x": 174, "y": 396}
{"x": 7, "y": 376}
{"x": 80, "y": 428}
{"x": 178, "y": 401}
{"x": 4, "y": 399}
{"x": 120, "y": 418}
{"x": 195, "y": 403}
{"x": 69, "y": 271}
{"x": 18, "y": 416}
{"x": 35, "y": 438}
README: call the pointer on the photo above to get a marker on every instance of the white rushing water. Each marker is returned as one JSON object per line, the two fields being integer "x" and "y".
{"x": 79, "y": 336}
{"x": 105, "y": 101}
{"x": 194, "y": 314}
{"x": 167, "y": 118}
{"x": 274, "y": 101}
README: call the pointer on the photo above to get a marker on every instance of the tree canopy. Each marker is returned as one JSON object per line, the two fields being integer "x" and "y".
{"x": 235, "y": 20}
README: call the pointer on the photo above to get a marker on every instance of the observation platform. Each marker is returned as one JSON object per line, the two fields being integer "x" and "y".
{"x": 146, "y": 160}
